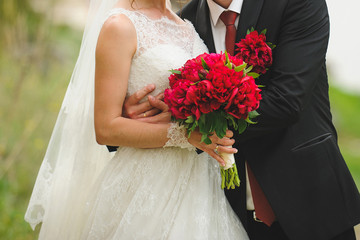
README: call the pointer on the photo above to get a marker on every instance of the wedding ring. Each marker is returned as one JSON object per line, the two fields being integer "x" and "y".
{"x": 216, "y": 148}
{"x": 144, "y": 115}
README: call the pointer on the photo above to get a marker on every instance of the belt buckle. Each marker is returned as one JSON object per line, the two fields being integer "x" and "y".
{"x": 255, "y": 218}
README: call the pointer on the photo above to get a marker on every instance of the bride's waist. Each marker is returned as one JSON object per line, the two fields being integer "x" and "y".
{"x": 161, "y": 150}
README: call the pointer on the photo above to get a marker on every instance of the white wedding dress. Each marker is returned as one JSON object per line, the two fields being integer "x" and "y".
{"x": 165, "y": 193}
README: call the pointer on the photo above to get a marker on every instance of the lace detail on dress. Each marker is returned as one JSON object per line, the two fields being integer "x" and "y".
{"x": 152, "y": 32}
{"x": 162, "y": 45}
{"x": 177, "y": 137}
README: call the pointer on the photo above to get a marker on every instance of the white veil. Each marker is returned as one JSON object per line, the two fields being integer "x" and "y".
{"x": 73, "y": 158}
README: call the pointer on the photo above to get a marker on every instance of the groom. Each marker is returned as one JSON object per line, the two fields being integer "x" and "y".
{"x": 295, "y": 183}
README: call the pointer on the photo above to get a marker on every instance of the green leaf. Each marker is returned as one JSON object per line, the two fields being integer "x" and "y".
{"x": 204, "y": 124}
{"x": 175, "y": 71}
{"x": 253, "y": 74}
{"x": 189, "y": 133}
{"x": 247, "y": 70}
{"x": 194, "y": 83}
{"x": 190, "y": 119}
{"x": 193, "y": 126}
{"x": 204, "y": 64}
{"x": 248, "y": 32}
{"x": 240, "y": 67}
{"x": 260, "y": 86}
{"x": 272, "y": 46}
{"x": 227, "y": 60}
{"x": 252, "y": 29}
{"x": 242, "y": 125}
{"x": 220, "y": 127}
{"x": 226, "y": 57}
{"x": 264, "y": 31}
{"x": 253, "y": 114}
{"x": 248, "y": 120}
{"x": 205, "y": 138}
{"x": 232, "y": 121}
{"x": 207, "y": 141}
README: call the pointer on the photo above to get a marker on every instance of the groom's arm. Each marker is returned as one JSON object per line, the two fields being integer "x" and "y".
{"x": 299, "y": 61}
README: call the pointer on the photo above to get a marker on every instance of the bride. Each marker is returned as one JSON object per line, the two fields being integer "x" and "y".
{"x": 155, "y": 186}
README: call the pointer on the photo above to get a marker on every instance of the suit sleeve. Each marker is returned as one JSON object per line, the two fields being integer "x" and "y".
{"x": 298, "y": 64}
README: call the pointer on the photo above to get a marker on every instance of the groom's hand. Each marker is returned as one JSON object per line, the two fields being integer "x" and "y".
{"x": 156, "y": 102}
{"x": 153, "y": 110}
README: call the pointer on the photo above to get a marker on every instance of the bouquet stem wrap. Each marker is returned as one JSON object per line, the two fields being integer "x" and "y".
{"x": 229, "y": 173}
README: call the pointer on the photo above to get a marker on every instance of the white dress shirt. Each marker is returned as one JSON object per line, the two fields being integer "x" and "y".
{"x": 217, "y": 26}
{"x": 219, "y": 31}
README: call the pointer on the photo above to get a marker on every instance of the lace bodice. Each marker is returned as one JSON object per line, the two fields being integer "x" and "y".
{"x": 162, "y": 45}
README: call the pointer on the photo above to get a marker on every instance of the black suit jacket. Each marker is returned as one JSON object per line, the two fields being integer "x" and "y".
{"x": 293, "y": 149}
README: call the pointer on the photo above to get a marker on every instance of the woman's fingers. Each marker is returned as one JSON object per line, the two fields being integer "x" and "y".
{"x": 217, "y": 146}
{"x": 225, "y": 141}
{"x": 226, "y": 149}
{"x": 229, "y": 134}
{"x": 216, "y": 156}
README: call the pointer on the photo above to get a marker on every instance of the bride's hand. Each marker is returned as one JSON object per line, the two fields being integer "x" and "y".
{"x": 218, "y": 145}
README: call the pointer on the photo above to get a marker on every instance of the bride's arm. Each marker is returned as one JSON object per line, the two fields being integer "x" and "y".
{"x": 115, "y": 49}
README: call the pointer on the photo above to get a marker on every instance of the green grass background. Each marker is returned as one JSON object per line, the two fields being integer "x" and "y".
{"x": 36, "y": 62}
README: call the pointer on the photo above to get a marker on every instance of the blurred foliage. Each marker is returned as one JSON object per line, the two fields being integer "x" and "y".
{"x": 346, "y": 119}
{"x": 36, "y": 60}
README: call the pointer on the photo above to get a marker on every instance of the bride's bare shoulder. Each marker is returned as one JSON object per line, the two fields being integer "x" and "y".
{"x": 118, "y": 22}
{"x": 118, "y": 25}
{"x": 117, "y": 33}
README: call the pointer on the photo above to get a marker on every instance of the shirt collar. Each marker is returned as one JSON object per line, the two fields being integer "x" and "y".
{"x": 216, "y": 9}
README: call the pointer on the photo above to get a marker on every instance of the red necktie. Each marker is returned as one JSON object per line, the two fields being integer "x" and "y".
{"x": 228, "y": 18}
{"x": 263, "y": 209}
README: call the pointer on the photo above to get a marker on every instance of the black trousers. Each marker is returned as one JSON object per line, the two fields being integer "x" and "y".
{"x": 260, "y": 231}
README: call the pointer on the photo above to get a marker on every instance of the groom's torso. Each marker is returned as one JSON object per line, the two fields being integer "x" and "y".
{"x": 299, "y": 167}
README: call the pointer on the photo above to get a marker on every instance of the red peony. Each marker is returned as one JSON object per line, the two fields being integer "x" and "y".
{"x": 254, "y": 51}
{"x": 244, "y": 99}
{"x": 175, "y": 98}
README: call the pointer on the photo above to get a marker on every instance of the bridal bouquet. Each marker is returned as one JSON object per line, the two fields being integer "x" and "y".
{"x": 213, "y": 92}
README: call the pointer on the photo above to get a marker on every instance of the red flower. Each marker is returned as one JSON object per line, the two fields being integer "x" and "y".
{"x": 224, "y": 81}
{"x": 175, "y": 99}
{"x": 244, "y": 99}
{"x": 213, "y": 60}
{"x": 191, "y": 70}
{"x": 254, "y": 51}
{"x": 175, "y": 78}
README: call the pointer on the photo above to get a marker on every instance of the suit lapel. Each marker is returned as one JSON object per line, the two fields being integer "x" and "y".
{"x": 202, "y": 25}
{"x": 249, "y": 16}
